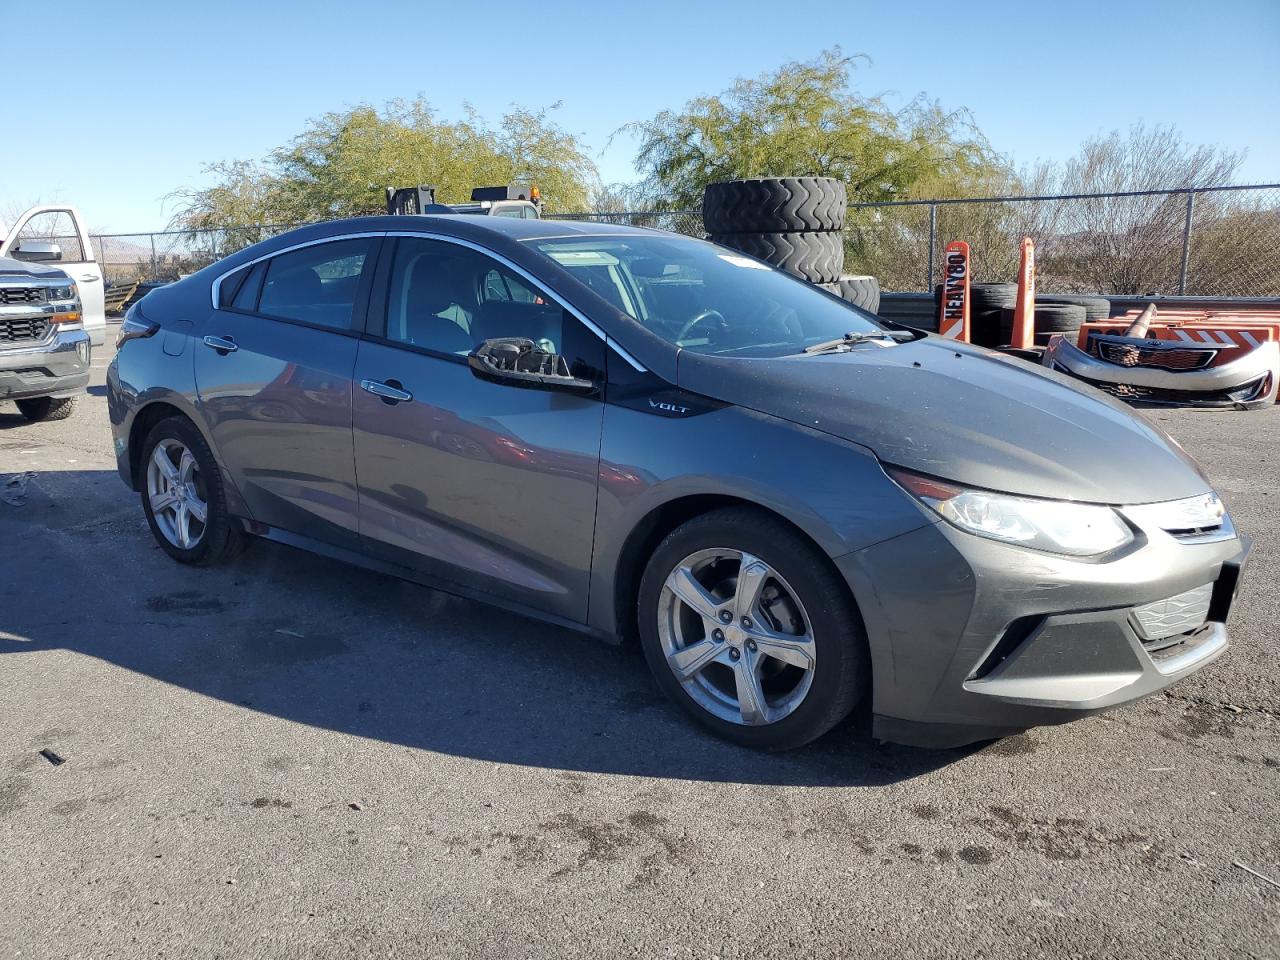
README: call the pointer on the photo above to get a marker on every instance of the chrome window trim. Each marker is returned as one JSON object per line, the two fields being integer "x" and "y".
{"x": 480, "y": 248}
{"x": 217, "y": 281}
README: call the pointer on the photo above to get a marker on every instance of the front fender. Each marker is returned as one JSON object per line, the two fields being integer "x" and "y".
{"x": 836, "y": 492}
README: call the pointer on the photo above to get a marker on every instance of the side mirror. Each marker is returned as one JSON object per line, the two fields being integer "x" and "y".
{"x": 519, "y": 362}
{"x": 37, "y": 251}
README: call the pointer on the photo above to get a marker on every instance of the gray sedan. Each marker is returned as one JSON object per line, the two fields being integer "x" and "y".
{"x": 797, "y": 509}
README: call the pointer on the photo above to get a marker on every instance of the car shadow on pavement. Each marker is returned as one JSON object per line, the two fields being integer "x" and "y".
{"x": 318, "y": 642}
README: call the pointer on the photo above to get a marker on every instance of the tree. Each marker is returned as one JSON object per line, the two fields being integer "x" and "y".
{"x": 1133, "y": 244}
{"x": 805, "y": 120}
{"x": 340, "y": 165}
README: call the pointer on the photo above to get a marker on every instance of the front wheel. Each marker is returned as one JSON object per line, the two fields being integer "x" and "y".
{"x": 748, "y": 627}
{"x": 183, "y": 496}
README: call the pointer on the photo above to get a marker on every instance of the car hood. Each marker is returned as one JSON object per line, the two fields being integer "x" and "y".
{"x": 962, "y": 413}
{"x": 10, "y": 266}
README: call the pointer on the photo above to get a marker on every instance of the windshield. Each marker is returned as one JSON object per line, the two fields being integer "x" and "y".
{"x": 706, "y": 298}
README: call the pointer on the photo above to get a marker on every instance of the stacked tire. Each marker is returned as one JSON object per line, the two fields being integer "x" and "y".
{"x": 986, "y": 302}
{"x": 1051, "y": 318}
{"x": 794, "y": 223}
{"x": 992, "y": 307}
{"x": 861, "y": 291}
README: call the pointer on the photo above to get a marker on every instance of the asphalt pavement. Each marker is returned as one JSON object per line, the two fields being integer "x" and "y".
{"x": 289, "y": 757}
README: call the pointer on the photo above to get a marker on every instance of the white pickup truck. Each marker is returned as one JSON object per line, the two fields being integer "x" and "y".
{"x": 56, "y": 235}
{"x": 51, "y": 312}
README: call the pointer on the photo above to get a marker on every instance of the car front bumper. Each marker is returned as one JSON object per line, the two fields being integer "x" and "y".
{"x": 1250, "y": 381}
{"x": 973, "y": 639}
{"x": 57, "y": 366}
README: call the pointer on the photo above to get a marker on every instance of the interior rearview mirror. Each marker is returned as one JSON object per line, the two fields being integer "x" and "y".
{"x": 37, "y": 251}
{"x": 519, "y": 362}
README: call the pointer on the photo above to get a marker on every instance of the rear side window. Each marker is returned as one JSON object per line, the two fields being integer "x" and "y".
{"x": 239, "y": 290}
{"x": 246, "y": 298}
{"x": 317, "y": 284}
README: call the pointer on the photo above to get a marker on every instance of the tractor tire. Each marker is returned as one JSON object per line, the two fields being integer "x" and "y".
{"x": 816, "y": 257}
{"x": 775, "y": 205}
{"x": 862, "y": 292}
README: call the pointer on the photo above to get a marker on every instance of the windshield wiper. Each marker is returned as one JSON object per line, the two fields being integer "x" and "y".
{"x": 850, "y": 339}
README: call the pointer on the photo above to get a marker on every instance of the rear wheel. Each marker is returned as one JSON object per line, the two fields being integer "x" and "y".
{"x": 747, "y": 626}
{"x": 183, "y": 496}
{"x": 47, "y": 408}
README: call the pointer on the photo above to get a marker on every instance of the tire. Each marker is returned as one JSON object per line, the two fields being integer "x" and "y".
{"x": 816, "y": 257}
{"x": 775, "y": 205}
{"x": 862, "y": 291}
{"x": 1095, "y": 308}
{"x": 47, "y": 408}
{"x": 219, "y": 537}
{"x": 1064, "y": 318}
{"x": 993, "y": 296}
{"x": 804, "y": 703}
{"x": 986, "y": 300}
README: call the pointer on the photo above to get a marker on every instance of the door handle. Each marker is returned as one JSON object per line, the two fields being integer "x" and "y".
{"x": 392, "y": 391}
{"x": 223, "y": 345}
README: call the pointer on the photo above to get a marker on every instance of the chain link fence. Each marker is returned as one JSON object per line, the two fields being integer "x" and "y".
{"x": 1220, "y": 242}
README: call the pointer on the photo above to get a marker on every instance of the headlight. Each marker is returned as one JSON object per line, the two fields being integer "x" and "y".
{"x": 1055, "y": 526}
{"x": 67, "y": 292}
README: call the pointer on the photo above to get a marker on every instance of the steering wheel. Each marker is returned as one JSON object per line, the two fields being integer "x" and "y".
{"x": 701, "y": 317}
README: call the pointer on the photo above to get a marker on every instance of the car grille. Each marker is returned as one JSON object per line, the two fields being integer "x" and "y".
{"x": 1176, "y": 358}
{"x": 23, "y": 329}
{"x": 1136, "y": 393}
{"x": 10, "y": 295}
{"x": 1158, "y": 622}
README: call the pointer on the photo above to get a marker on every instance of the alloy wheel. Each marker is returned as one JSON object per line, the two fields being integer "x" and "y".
{"x": 736, "y": 636}
{"x": 176, "y": 492}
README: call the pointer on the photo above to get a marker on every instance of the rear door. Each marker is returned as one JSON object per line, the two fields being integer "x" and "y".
{"x": 65, "y": 227}
{"x": 273, "y": 370}
{"x": 489, "y": 486}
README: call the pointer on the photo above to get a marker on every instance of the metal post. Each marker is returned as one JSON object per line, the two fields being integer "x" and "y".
{"x": 1186, "y": 244}
{"x": 154, "y": 269}
{"x": 933, "y": 239}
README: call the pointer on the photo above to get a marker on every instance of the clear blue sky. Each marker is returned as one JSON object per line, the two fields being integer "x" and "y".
{"x": 141, "y": 94}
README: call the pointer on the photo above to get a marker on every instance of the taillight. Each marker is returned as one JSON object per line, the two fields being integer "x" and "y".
{"x": 135, "y": 327}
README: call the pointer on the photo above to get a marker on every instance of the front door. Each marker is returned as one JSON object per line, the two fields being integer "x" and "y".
{"x": 64, "y": 226}
{"x": 488, "y": 486}
{"x": 273, "y": 371}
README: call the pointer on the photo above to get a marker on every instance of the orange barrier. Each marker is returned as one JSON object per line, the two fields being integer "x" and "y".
{"x": 1024, "y": 314}
{"x": 953, "y": 318}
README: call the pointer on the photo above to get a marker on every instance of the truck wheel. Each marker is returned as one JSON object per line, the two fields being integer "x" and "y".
{"x": 751, "y": 631}
{"x": 816, "y": 257}
{"x": 183, "y": 496}
{"x": 775, "y": 205}
{"x": 47, "y": 408}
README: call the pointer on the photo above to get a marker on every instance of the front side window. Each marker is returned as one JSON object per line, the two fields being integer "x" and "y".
{"x": 450, "y": 299}
{"x": 317, "y": 284}
{"x": 706, "y": 298}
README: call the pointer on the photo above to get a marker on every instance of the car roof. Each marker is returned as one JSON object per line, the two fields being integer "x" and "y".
{"x": 515, "y": 228}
